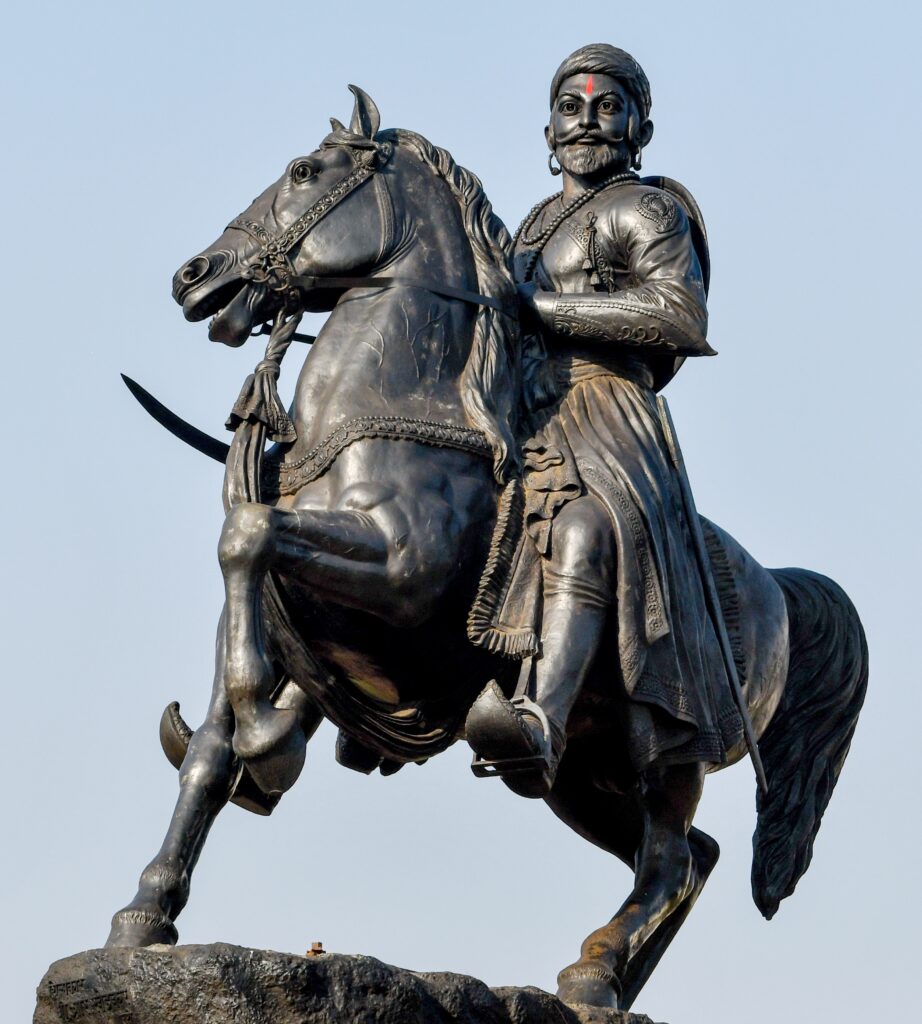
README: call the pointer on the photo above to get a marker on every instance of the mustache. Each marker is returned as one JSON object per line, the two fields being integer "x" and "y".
{"x": 595, "y": 135}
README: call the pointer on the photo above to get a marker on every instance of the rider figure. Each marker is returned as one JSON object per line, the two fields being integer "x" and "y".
{"x": 610, "y": 281}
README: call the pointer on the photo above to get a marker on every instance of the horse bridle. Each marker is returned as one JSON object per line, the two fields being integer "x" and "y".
{"x": 271, "y": 266}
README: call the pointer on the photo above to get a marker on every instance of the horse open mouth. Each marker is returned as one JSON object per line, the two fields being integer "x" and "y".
{"x": 232, "y": 307}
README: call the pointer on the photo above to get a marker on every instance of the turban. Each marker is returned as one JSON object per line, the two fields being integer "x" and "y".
{"x": 603, "y": 59}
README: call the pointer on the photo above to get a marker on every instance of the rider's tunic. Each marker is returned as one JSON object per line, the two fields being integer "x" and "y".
{"x": 620, "y": 298}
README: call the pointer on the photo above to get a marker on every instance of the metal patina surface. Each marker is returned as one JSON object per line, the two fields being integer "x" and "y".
{"x": 474, "y": 520}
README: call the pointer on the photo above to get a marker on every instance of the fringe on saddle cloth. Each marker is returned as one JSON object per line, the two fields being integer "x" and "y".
{"x": 504, "y": 616}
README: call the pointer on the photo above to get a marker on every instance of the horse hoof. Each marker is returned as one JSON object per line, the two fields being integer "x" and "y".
{"x": 589, "y": 984}
{"x": 273, "y": 750}
{"x": 136, "y": 928}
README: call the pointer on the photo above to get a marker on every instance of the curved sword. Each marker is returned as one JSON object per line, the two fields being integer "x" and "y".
{"x": 198, "y": 439}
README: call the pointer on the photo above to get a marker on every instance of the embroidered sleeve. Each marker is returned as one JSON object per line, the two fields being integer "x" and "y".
{"x": 662, "y": 307}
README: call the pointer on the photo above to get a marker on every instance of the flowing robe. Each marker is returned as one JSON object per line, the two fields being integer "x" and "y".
{"x": 620, "y": 299}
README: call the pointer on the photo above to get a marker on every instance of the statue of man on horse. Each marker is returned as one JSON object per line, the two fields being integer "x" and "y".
{"x": 476, "y": 451}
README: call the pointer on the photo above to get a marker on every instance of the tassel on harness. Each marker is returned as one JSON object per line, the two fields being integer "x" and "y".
{"x": 258, "y": 414}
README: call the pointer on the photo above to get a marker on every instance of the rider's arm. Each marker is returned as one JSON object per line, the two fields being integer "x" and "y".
{"x": 662, "y": 307}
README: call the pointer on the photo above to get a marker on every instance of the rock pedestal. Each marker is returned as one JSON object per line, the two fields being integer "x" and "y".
{"x": 223, "y": 984}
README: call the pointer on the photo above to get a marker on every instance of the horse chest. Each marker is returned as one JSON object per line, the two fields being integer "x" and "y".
{"x": 401, "y": 357}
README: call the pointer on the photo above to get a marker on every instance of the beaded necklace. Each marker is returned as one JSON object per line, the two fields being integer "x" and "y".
{"x": 537, "y": 242}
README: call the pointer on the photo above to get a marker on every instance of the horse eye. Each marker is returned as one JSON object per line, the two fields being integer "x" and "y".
{"x": 301, "y": 171}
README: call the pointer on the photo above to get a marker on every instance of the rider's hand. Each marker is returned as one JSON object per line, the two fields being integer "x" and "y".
{"x": 527, "y": 309}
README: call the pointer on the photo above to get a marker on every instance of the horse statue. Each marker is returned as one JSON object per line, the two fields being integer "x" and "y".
{"x": 362, "y": 550}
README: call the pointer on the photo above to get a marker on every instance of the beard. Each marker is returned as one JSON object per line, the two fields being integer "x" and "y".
{"x": 581, "y": 159}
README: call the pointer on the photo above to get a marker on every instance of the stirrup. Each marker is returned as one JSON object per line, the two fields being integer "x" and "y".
{"x": 485, "y": 768}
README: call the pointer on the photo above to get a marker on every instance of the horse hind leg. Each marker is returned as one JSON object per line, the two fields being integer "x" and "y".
{"x": 617, "y": 958}
{"x": 705, "y": 853}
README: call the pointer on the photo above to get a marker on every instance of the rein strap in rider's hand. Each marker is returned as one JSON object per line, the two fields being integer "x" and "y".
{"x": 309, "y": 283}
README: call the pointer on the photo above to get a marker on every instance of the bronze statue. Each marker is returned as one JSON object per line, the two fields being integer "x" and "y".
{"x": 464, "y": 526}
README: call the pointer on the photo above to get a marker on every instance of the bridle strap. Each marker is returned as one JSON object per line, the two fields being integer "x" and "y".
{"x": 271, "y": 265}
{"x": 309, "y": 283}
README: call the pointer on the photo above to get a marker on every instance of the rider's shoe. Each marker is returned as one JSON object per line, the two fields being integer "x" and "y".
{"x": 514, "y": 740}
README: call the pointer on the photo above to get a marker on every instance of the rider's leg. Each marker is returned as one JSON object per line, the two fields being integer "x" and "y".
{"x": 509, "y": 737}
{"x": 578, "y": 589}
{"x": 664, "y": 878}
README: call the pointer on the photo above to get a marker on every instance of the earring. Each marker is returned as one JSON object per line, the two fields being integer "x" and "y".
{"x": 554, "y": 170}
{"x": 635, "y": 159}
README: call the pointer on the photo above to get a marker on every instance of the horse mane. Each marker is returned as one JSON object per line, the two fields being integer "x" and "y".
{"x": 491, "y": 380}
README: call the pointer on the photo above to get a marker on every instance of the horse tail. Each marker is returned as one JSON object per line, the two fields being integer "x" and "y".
{"x": 807, "y": 740}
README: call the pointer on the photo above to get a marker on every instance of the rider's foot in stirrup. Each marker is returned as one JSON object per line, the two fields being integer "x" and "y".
{"x": 513, "y": 740}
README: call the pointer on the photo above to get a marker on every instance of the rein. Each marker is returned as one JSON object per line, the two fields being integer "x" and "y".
{"x": 309, "y": 282}
{"x": 271, "y": 266}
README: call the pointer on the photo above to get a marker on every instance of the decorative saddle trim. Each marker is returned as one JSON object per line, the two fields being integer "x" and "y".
{"x": 281, "y": 476}
{"x": 727, "y": 594}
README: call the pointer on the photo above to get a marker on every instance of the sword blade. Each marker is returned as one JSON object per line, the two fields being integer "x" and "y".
{"x": 176, "y": 425}
{"x": 712, "y": 598}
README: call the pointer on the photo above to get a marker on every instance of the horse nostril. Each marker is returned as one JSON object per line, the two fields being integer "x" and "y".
{"x": 194, "y": 270}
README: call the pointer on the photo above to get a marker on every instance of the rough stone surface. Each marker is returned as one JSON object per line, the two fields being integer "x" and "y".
{"x": 223, "y": 984}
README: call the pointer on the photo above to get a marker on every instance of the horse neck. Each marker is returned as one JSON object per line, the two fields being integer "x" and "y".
{"x": 429, "y": 237}
{"x": 401, "y": 350}
{"x": 428, "y": 244}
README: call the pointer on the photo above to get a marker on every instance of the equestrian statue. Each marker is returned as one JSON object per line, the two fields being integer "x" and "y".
{"x": 474, "y": 521}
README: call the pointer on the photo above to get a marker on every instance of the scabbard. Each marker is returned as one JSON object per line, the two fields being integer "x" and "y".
{"x": 711, "y": 596}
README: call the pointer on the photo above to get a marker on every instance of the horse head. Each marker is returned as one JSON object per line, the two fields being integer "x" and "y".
{"x": 408, "y": 207}
{"x": 251, "y": 270}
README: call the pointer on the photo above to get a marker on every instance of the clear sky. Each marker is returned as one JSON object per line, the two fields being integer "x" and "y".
{"x": 132, "y": 134}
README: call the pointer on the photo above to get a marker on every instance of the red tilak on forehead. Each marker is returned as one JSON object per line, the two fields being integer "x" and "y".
{"x": 589, "y": 86}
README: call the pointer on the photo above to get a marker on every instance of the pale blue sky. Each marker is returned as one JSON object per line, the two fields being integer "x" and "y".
{"x": 133, "y": 133}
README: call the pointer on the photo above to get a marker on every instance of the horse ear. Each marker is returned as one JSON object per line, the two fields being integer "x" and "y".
{"x": 365, "y": 117}
{"x": 337, "y": 125}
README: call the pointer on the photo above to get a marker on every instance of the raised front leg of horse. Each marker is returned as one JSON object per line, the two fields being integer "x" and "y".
{"x": 255, "y": 539}
{"x": 387, "y": 545}
{"x": 670, "y": 868}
